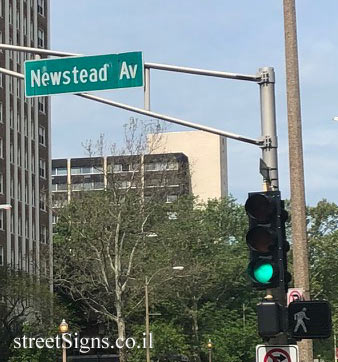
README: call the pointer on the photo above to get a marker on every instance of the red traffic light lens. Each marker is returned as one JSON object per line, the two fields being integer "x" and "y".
{"x": 261, "y": 239}
{"x": 259, "y": 207}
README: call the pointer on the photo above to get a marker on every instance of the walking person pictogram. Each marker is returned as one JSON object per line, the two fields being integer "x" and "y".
{"x": 300, "y": 316}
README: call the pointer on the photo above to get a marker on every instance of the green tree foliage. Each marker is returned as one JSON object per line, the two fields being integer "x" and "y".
{"x": 167, "y": 340}
{"x": 323, "y": 250}
{"x": 27, "y": 308}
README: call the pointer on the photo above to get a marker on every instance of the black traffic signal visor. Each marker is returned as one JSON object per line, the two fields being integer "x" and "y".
{"x": 261, "y": 239}
{"x": 259, "y": 207}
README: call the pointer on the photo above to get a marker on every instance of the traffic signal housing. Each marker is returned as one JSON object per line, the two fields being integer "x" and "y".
{"x": 266, "y": 239}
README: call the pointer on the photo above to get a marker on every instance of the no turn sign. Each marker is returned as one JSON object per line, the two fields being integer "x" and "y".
{"x": 295, "y": 295}
{"x": 277, "y": 353}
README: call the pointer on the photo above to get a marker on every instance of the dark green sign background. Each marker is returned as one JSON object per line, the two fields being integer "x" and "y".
{"x": 81, "y": 74}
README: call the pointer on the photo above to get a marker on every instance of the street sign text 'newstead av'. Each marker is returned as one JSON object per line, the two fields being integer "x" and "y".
{"x": 84, "y": 73}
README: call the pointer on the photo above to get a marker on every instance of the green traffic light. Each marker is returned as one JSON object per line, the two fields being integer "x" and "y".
{"x": 263, "y": 273}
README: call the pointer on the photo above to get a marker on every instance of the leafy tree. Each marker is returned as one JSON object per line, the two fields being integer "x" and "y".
{"x": 102, "y": 244}
{"x": 26, "y": 305}
{"x": 323, "y": 250}
{"x": 168, "y": 340}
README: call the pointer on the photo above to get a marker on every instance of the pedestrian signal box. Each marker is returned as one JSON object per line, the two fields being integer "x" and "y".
{"x": 310, "y": 319}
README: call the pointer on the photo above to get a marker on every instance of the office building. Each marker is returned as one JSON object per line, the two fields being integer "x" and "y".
{"x": 25, "y": 242}
{"x": 163, "y": 175}
{"x": 207, "y": 154}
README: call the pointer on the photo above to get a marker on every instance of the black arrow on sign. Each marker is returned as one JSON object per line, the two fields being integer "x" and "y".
{"x": 278, "y": 358}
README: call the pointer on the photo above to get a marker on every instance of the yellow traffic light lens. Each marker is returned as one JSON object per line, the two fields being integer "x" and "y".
{"x": 261, "y": 239}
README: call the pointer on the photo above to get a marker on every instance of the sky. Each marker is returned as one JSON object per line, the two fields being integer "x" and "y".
{"x": 237, "y": 37}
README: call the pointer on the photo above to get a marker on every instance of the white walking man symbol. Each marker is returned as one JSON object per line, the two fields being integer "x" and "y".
{"x": 300, "y": 316}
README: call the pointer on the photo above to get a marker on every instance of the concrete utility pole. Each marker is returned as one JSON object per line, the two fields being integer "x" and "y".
{"x": 299, "y": 239}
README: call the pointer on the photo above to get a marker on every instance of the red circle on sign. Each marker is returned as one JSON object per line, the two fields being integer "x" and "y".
{"x": 295, "y": 295}
{"x": 273, "y": 359}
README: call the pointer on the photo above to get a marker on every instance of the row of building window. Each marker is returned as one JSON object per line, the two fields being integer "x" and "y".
{"x": 43, "y": 228}
{"x": 116, "y": 168}
{"x": 41, "y": 130}
{"x": 40, "y": 9}
{"x": 44, "y": 265}
{"x": 40, "y": 6}
{"x": 42, "y": 163}
{"x": 24, "y": 197}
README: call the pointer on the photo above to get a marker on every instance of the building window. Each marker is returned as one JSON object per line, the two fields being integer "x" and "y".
{"x": 42, "y": 136}
{"x": 33, "y": 163}
{"x": 11, "y": 118}
{"x": 171, "y": 198}
{"x": 26, "y": 159}
{"x": 12, "y": 222}
{"x": 25, "y": 25}
{"x": 18, "y": 85}
{"x": 19, "y": 156}
{"x": 42, "y": 104}
{"x": 1, "y": 255}
{"x": 42, "y": 168}
{"x": 26, "y": 195}
{"x": 1, "y": 84}
{"x": 19, "y": 191}
{"x": 54, "y": 219}
{"x": 41, "y": 7}
{"x": 43, "y": 201}
{"x": 43, "y": 234}
{"x": 124, "y": 184}
{"x": 18, "y": 122}
{"x": 33, "y": 231}
{"x": 32, "y": 30}
{"x": 19, "y": 226}
{"x": 12, "y": 188}
{"x": 11, "y": 153}
{"x": 117, "y": 167}
{"x": 11, "y": 53}
{"x": 60, "y": 171}
{"x": 172, "y": 166}
{"x": 1, "y": 219}
{"x": 10, "y": 14}
{"x": 25, "y": 126}
{"x": 33, "y": 195}
{"x": 41, "y": 38}
{"x": 1, "y": 38}
{"x": 26, "y": 228}
{"x": 1, "y": 148}
{"x": 32, "y": 129}
{"x": 155, "y": 166}
{"x": 1, "y": 183}
{"x": 1, "y": 113}
{"x": 17, "y": 20}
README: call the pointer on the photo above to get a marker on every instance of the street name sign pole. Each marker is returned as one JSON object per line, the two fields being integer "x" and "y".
{"x": 73, "y": 77}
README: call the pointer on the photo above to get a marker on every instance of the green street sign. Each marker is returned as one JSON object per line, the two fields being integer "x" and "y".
{"x": 83, "y": 73}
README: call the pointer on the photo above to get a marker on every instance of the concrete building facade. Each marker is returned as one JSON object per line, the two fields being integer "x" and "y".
{"x": 25, "y": 242}
{"x": 163, "y": 175}
{"x": 207, "y": 154}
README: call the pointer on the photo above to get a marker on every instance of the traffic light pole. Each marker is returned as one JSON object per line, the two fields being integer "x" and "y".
{"x": 270, "y": 158}
{"x": 268, "y": 126}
